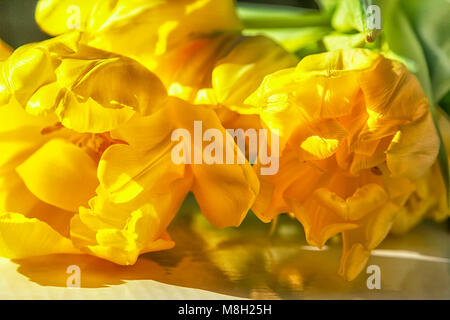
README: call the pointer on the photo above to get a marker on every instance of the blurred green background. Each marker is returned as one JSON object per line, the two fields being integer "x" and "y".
{"x": 18, "y": 27}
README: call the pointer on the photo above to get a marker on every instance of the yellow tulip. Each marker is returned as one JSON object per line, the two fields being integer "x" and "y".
{"x": 90, "y": 90}
{"x": 140, "y": 180}
{"x": 28, "y": 225}
{"x": 125, "y": 182}
{"x": 38, "y": 187}
{"x": 140, "y": 29}
{"x": 92, "y": 181}
{"x": 355, "y": 132}
{"x": 194, "y": 46}
{"x": 47, "y": 173}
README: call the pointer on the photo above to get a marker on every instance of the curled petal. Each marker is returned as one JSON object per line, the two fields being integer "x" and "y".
{"x": 319, "y": 223}
{"x": 357, "y": 243}
{"x": 363, "y": 201}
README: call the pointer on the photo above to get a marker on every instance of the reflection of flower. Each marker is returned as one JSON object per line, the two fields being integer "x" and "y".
{"x": 355, "y": 131}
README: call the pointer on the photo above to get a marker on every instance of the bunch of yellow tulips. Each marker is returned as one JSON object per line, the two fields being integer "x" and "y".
{"x": 86, "y": 123}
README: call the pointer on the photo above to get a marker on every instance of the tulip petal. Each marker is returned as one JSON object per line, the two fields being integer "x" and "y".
{"x": 353, "y": 261}
{"x": 363, "y": 201}
{"x": 240, "y": 73}
{"x": 358, "y": 243}
{"x": 27, "y": 69}
{"x": 60, "y": 174}
{"x": 392, "y": 92}
{"x": 225, "y": 193}
{"x": 126, "y": 172}
{"x": 234, "y": 186}
{"x": 111, "y": 81}
{"x": 146, "y": 166}
{"x": 291, "y": 182}
{"x": 415, "y": 146}
{"x": 319, "y": 223}
{"x": 14, "y": 195}
{"x": 89, "y": 116}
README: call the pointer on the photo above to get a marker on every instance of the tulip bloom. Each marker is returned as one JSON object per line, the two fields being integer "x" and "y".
{"x": 355, "y": 131}
{"x": 100, "y": 151}
{"x": 39, "y": 228}
{"x": 141, "y": 175}
{"x": 65, "y": 77}
{"x": 194, "y": 46}
{"x": 55, "y": 121}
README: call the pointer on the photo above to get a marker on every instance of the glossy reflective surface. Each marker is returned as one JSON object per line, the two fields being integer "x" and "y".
{"x": 248, "y": 262}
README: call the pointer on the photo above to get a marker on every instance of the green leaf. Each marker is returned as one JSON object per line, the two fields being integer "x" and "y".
{"x": 431, "y": 23}
{"x": 403, "y": 42}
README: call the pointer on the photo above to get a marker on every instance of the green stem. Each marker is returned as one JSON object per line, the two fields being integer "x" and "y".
{"x": 267, "y": 16}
